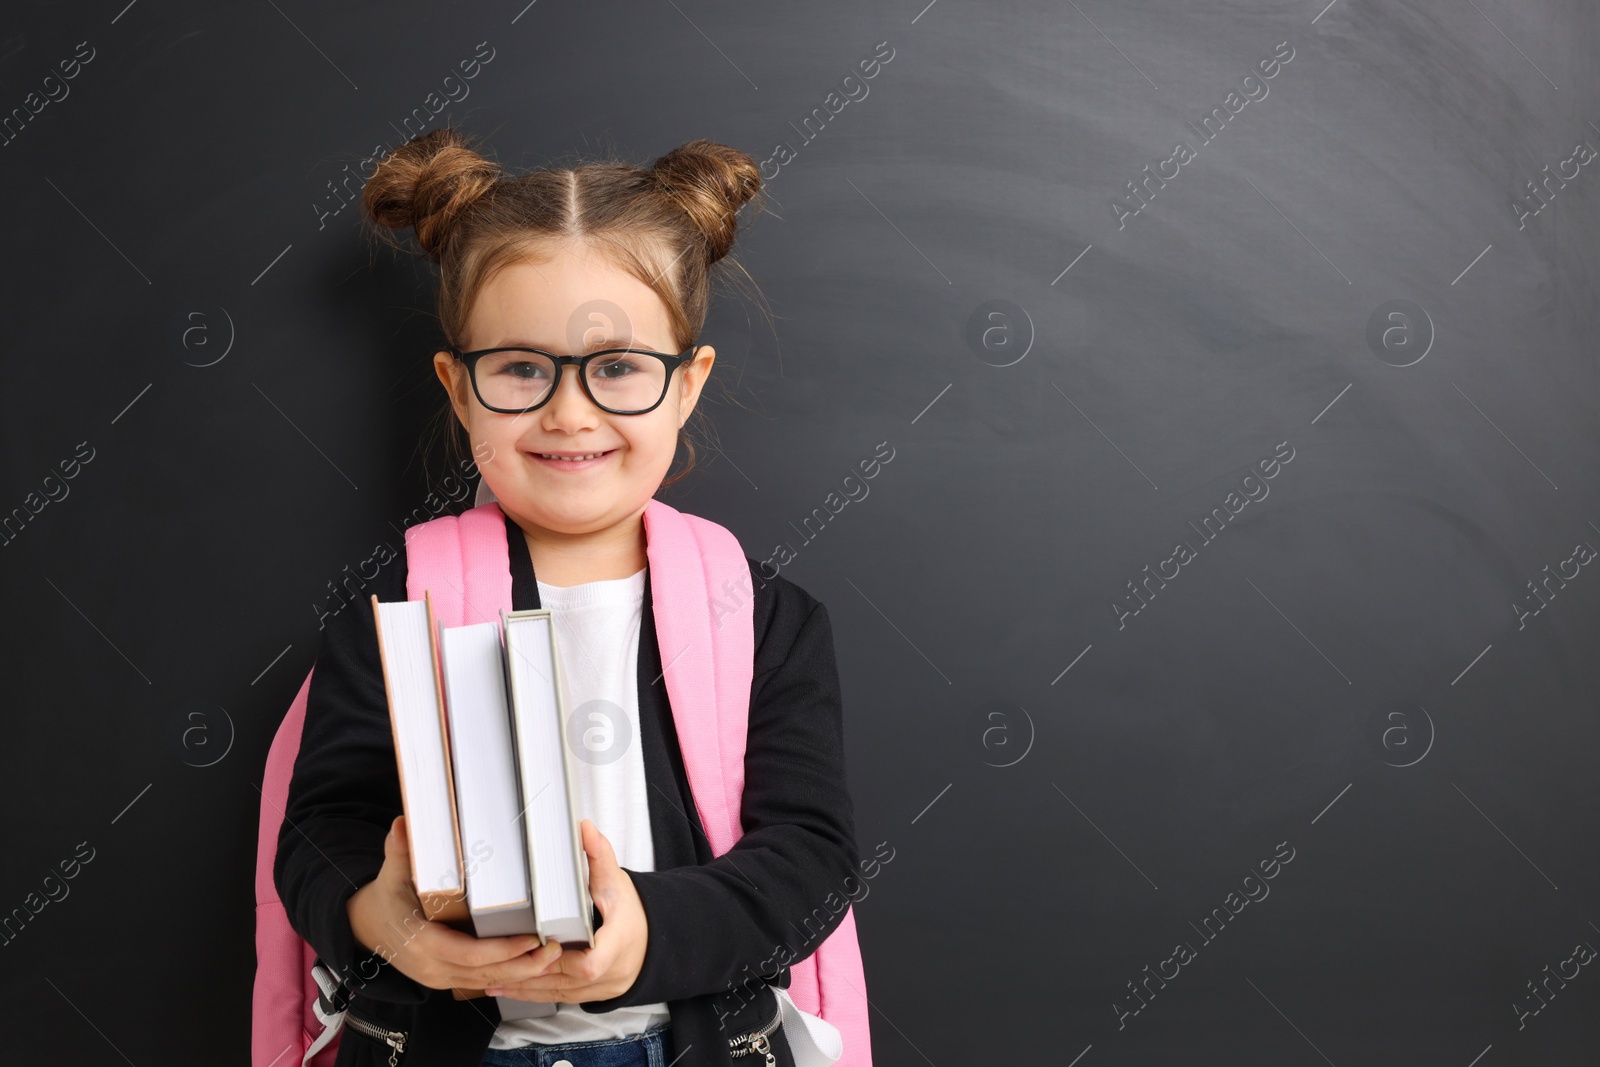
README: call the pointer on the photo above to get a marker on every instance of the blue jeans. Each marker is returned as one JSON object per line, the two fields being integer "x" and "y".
{"x": 647, "y": 1049}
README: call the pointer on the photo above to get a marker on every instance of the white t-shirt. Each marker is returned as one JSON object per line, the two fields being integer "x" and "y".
{"x": 597, "y": 637}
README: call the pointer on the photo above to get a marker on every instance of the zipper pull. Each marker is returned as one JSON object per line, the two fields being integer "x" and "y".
{"x": 397, "y": 1044}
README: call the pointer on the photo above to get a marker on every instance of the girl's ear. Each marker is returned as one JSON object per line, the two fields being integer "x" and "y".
{"x": 453, "y": 377}
{"x": 695, "y": 374}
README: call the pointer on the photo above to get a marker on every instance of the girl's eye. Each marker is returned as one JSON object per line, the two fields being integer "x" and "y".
{"x": 613, "y": 369}
{"x": 524, "y": 370}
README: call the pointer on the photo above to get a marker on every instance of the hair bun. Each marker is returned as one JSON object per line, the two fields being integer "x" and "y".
{"x": 712, "y": 182}
{"x": 426, "y": 184}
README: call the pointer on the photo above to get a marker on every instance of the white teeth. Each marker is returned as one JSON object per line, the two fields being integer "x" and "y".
{"x": 571, "y": 459}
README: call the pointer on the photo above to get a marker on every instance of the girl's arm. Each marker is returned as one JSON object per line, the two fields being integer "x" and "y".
{"x": 344, "y": 795}
{"x": 783, "y": 887}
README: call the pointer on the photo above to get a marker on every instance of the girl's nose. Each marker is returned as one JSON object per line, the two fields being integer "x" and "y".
{"x": 571, "y": 405}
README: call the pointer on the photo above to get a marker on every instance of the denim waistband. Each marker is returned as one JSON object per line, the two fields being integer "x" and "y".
{"x": 645, "y": 1049}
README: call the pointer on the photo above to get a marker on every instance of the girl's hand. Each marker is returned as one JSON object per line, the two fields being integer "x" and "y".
{"x": 609, "y": 967}
{"x": 386, "y": 917}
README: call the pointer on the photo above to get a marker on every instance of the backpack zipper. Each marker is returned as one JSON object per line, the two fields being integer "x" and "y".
{"x": 395, "y": 1039}
{"x": 756, "y": 1040}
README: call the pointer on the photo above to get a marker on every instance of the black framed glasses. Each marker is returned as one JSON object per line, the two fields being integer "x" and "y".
{"x": 622, "y": 381}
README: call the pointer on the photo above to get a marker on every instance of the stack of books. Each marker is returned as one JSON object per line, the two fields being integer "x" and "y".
{"x": 486, "y": 776}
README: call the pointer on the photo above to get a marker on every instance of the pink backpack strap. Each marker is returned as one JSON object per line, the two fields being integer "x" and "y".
{"x": 705, "y": 625}
{"x": 464, "y": 561}
{"x": 709, "y": 660}
{"x": 831, "y": 983}
{"x": 283, "y": 1021}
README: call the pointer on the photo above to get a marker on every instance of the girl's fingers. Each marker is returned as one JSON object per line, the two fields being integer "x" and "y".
{"x": 396, "y": 846}
{"x": 520, "y": 969}
{"x": 464, "y": 951}
{"x": 534, "y": 996}
{"x": 593, "y": 962}
{"x": 576, "y": 977}
{"x": 556, "y": 977}
{"x": 551, "y": 986}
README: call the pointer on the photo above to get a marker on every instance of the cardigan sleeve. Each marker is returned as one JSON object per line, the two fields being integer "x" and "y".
{"x": 344, "y": 794}
{"x": 781, "y": 889}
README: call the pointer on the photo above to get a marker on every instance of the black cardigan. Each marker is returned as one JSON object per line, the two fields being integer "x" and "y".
{"x": 717, "y": 927}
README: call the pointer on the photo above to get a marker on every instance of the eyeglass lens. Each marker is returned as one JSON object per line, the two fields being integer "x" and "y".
{"x": 622, "y": 381}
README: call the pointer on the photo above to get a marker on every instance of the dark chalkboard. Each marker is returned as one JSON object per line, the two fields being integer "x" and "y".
{"x": 1217, "y": 631}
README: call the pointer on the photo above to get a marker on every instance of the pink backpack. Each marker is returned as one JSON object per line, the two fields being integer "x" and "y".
{"x": 464, "y": 562}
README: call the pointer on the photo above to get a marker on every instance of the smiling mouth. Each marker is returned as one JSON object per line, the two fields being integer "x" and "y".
{"x": 573, "y": 458}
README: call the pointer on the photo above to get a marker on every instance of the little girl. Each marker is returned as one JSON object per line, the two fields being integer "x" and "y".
{"x": 573, "y": 453}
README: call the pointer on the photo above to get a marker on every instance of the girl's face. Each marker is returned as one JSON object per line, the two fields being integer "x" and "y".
{"x": 572, "y": 303}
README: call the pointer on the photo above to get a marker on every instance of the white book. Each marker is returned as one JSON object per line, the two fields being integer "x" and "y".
{"x": 422, "y": 754}
{"x": 558, "y": 867}
{"x": 488, "y": 801}
{"x": 486, "y": 780}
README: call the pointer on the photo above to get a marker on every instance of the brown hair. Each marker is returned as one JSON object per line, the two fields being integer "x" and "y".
{"x": 665, "y": 224}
